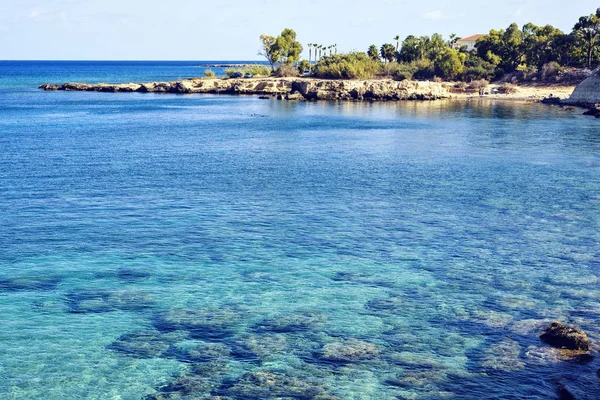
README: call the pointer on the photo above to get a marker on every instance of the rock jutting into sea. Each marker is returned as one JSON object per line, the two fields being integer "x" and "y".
{"x": 282, "y": 88}
{"x": 587, "y": 93}
{"x": 567, "y": 337}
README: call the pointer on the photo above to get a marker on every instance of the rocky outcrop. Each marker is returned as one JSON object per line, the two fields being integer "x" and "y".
{"x": 282, "y": 88}
{"x": 587, "y": 93}
{"x": 566, "y": 337}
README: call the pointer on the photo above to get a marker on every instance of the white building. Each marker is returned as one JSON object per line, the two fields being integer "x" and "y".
{"x": 469, "y": 42}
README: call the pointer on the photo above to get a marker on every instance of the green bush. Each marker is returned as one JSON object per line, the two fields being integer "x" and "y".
{"x": 477, "y": 68}
{"x": 209, "y": 73}
{"x": 256, "y": 70}
{"x": 404, "y": 71}
{"x": 347, "y": 66}
{"x": 303, "y": 65}
{"x": 424, "y": 69}
{"x": 550, "y": 70}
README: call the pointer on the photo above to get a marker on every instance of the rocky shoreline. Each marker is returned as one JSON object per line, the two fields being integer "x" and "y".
{"x": 281, "y": 88}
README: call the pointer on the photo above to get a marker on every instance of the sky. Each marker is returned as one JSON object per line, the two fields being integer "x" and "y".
{"x": 229, "y": 29}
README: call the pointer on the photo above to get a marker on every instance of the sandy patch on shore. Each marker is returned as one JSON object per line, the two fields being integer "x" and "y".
{"x": 526, "y": 93}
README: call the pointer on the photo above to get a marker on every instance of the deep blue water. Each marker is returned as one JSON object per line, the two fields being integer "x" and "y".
{"x": 198, "y": 245}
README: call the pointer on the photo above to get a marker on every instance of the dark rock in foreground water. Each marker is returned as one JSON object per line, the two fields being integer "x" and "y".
{"x": 564, "y": 393}
{"x": 561, "y": 336}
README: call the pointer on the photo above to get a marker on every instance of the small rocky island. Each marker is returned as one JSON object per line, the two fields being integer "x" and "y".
{"x": 282, "y": 88}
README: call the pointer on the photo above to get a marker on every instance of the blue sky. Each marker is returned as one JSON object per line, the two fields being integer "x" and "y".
{"x": 229, "y": 29}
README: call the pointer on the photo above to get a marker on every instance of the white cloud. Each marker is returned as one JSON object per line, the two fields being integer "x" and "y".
{"x": 518, "y": 12}
{"x": 39, "y": 14}
{"x": 4, "y": 28}
{"x": 436, "y": 15}
{"x": 36, "y": 13}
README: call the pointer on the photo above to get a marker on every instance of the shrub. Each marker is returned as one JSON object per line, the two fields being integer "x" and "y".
{"x": 477, "y": 68}
{"x": 286, "y": 70}
{"x": 255, "y": 70}
{"x": 347, "y": 66}
{"x": 209, "y": 73}
{"x": 404, "y": 71}
{"x": 424, "y": 69}
{"x": 460, "y": 85}
{"x": 550, "y": 70}
{"x": 478, "y": 84}
{"x": 507, "y": 88}
{"x": 303, "y": 65}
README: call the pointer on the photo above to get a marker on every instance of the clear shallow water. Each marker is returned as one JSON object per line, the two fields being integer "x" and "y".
{"x": 336, "y": 249}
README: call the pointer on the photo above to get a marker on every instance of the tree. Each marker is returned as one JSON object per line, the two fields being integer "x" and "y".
{"x": 388, "y": 52}
{"x": 539, "y": 44}
{"x": 453, "y": 39}
{"x": 409, "y": 51}
{"x": 450, "y": 63}
{"x": 397, "y": 39}
{"x": 288, "y": 47}
{"x": 373, "y": 53}
{"x": 588, "y": 29}
{"x": 269, "y": 50}
{"x": 309, "y": 53}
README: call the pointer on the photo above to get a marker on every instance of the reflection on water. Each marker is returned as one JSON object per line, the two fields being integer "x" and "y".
{"x": 180, "y": 247}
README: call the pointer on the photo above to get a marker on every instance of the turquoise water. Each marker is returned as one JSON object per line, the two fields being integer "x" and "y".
{"x": 193, "y": 246}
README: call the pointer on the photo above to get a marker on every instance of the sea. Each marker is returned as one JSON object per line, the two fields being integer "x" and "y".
{"x": 164, "y": 246}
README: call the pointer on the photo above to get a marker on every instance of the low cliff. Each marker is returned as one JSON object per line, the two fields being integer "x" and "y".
{"x": 290, "y": 88}
{"x": 587, "y": 93}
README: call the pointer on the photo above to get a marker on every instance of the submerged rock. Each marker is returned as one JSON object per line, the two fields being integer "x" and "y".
{"x": 270, "y": 385}
{"x": 564, "y": 393}
{"x": 21, "y": 283}
{"x": 562, "y": 336}
{"x": 143, "y": 344}
{"x": 503, "y": 356}
{"x": 421, "y": 379}
{"x": 348, "y": 351}
{"x": 294, "y": 322}
{"x": 386, "y": 304}
{"x": 98, "y": 301}
{"x": 132, "y": 274}
{"x": 254, "y": 347}
{"x": 206, "y": 352}
{"x": 211, "y": 323}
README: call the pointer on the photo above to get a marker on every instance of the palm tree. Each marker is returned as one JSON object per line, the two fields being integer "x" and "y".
{"x": 309, "y": 53}
{"x": 397, "y": 39}
{"x": 335, "y": 47}
{"x": 330, "y": 50}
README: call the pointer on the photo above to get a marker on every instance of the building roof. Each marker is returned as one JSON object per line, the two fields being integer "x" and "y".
{"x": 472, "y": 38}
